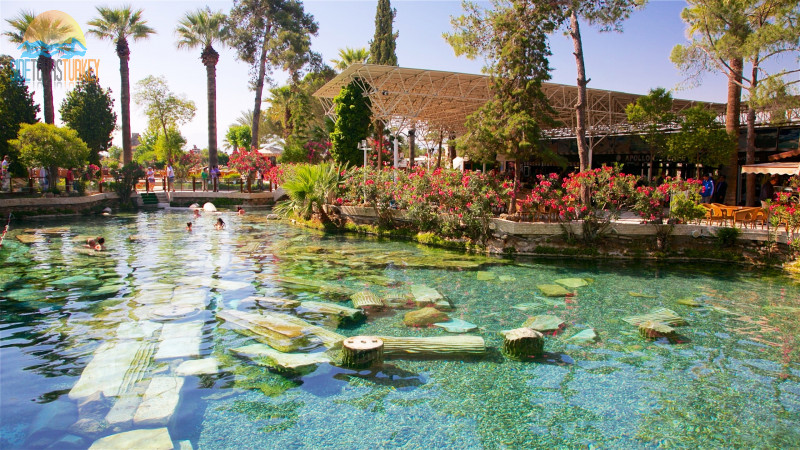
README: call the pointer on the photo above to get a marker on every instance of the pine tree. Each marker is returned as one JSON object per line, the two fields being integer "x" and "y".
{"x": 89, "y": 110}
{"x": 382, "y": 47}
{"x": 352, "y": 124}
{"x": 16, "y": 108}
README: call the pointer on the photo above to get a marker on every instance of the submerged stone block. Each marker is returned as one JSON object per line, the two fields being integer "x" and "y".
{"x": 585, "y": 337}
{"x": 294, "y": 362}
{"x": 424, "y": 317}
{"x": 159, "y": 401}
{"x": 269, "y": 328}
{"x": 663, "y": 315}
{"x": 204, "y": 366}
{"x": 108, "y": 369}
{"x": 180, "y": 340}
{"x": 545, "y": 323}
{"x": 151, "y": 439}
{"x": 572, "y": 283}
{"x": 553, "y": 290}
{"x": 457, "y": 326}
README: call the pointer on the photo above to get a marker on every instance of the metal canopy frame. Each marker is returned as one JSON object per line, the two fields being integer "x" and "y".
{"x": 405, "y": 97}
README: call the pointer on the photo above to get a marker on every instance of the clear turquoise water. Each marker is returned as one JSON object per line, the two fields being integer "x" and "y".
{"x": 732, "y": 379}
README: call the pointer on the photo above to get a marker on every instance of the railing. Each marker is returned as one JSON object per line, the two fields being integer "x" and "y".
{"x": 195, "y": 184}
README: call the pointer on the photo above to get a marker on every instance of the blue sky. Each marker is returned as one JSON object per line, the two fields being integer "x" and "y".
{"x": 633, "y": 61}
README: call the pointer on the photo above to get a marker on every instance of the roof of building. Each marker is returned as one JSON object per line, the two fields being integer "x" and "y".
{"x": 405, "y": 96}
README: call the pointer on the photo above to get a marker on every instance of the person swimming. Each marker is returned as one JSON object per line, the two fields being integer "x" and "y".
{"x": 220, "y": 224}
{"x": 189, "y": 226}
{"x": 239, "y": 210}
{"x": 197, "y": 212}
{"x": 96, "y": 243}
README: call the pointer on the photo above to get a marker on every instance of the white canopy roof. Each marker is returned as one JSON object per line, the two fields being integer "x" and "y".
{"x": 777, "y": 168}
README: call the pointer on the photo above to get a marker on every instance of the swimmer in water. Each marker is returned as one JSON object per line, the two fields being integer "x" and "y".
{"x": 220, "y": 224}
{"x": 96, "y": 243}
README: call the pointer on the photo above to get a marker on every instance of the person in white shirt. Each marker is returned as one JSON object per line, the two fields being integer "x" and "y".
{"x": 170, "y": 178}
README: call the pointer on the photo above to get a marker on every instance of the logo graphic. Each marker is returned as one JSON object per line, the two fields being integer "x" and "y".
{"x": 56, "y": 35}
{"x": 53, "y": 33}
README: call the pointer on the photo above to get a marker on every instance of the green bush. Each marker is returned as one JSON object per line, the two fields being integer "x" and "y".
{"x": 726, "y": 237}
{"x": 685, "y": 209}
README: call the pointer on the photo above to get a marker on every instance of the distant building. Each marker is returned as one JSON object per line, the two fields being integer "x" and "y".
{"x": 135, "y": 140}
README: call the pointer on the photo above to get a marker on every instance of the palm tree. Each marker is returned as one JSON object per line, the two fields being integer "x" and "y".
{"x": 117, "y": 25}
{"x": 203, "y": 28}
{"x": 280, "y": 108}
{"x": 44, "y": 35}
{"x": 309, "y": 188}
{"x": 349, "y": 56}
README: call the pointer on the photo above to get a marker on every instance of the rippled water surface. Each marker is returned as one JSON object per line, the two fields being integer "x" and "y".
{"x": 731, "y": 378}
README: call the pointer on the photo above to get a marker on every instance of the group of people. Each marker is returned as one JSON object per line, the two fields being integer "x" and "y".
{"x": 713, "y": 191}
{"x": 214, "y": 174}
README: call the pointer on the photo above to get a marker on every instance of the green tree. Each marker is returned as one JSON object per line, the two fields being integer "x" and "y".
{"x": 203, "y": 28}
{"x": 349, "y": 56}
{"x": 382, "y": 51}
{"x": 701, "y": 139}
{"x": 16, "y": 107}
{"x": 270, "y": 34}
{"x": 757, "y": 32}
{"x": 89, "y": 110}
{"x": 117, "y": 26}
{"x": 652, "y": 115}
{"x": 45, "y": 34}
{"x": 238, "y": 136}
{"x": 43, "y": 144}
{"x": 383, "y": 44}
{"x": 352, "y": 124}
{"x": 512, "y": 37}
{"x": 164, "y": 109}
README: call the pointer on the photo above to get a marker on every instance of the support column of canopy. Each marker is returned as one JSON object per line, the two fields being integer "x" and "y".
{"x": 411, "y": 134}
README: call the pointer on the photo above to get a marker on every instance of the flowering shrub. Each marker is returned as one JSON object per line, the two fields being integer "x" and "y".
{"x": 186, "y": 163}
{"x": 453, "y": 203}
{"x": 248, "y": 163}
{"x": 785, "y": 210}
{"x": 318, "y": 151}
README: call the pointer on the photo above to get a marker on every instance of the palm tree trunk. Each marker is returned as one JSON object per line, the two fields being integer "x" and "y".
{"x": 732, "y": 124}
{"x": 45, "y": 64}
{"x": 262, "y": 67}
{"x": 125, "y": 99}
{"x": 580, "y": 106}
{"x": 210, "y": 58}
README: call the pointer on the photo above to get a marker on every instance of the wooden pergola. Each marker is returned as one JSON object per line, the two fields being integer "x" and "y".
{"x": 410, "y": 97}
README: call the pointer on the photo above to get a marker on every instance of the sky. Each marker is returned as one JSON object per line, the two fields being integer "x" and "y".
{"x": 633, "y": 61}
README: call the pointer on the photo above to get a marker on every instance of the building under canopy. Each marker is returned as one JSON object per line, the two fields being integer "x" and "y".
{"x": 407, "y": 97}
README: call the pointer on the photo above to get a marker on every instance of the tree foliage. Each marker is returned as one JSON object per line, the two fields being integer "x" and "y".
{"x": 42, "y": 144}
{"x": 272, "y": 34}
{"x": 238, "y": 136}
{"x": 383, "y": 44}
{"x": 16, "y": 108}
{"x": 349, "y": 56}
{"x": 119, "y": 25}
{"x": 652, "y": 115}
{"x": 512, "y": 36}
{"x": 163, "y": 108}
{"x": 701, "y": 139}
{"x": 203, "y": 28}
{"x": 758, "y": 33}
{"x": 352, "y": 125}
{"x": 89, "y": 110}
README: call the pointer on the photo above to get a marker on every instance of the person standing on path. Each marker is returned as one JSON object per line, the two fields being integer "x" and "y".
{"x": 721, "y": 190}
{"x": 768, "y": 190}
{"x": 204, "y": 176}
{"x": 170, "y": 178}
{"x": 708, "y": 189}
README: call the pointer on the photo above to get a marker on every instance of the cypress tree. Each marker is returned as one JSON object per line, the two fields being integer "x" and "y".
{"x": 16, "y": 107}
{"x": 382, "y": 46}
